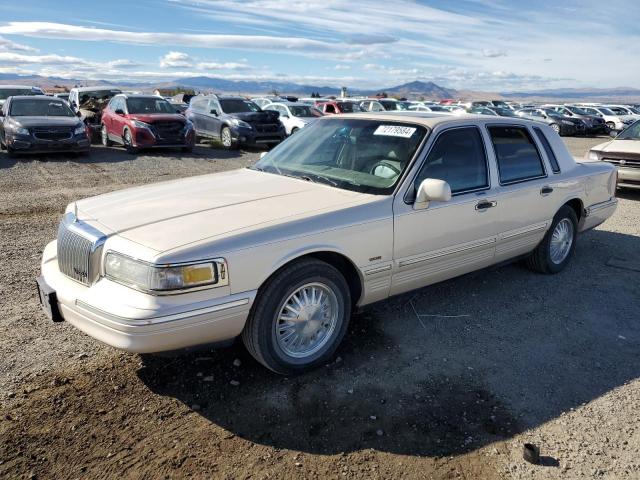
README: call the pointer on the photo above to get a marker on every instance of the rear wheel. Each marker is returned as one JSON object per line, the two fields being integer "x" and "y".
{"x": 555, "y": 127}
{"x": 556, "y": 248}
{"x": 299, "y": 317}
{"x": 105, "y": 136}
{"x": 294, "y": 130}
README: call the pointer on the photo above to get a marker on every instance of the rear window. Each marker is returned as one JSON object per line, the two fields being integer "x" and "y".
{"x": 548, "y": 150}
{"x": 517, "y": 156}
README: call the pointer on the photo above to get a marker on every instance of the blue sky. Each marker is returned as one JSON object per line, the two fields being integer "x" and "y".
{"x": 497, "y": 45}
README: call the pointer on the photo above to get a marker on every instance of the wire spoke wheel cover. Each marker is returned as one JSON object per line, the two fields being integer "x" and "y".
{"x": 561, "y": 241}
{"x": 306, "y": 320}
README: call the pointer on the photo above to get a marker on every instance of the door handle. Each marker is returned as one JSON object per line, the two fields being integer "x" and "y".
{"x": 546, "y": 190}
{"x": 485, "y": 204}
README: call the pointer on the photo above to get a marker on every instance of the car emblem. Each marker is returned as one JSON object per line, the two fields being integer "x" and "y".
{"x": 623, "y": 162}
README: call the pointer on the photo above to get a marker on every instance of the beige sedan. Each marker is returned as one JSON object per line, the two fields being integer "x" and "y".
{"x": 347, "y": 212}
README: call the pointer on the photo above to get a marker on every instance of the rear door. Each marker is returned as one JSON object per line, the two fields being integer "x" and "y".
{"x": 447, "y": 238}
{"x": 212, "y": 122}
{"x": 528, "y": 192}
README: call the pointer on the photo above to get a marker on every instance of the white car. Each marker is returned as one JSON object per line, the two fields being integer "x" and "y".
{"x": 264, "y": 101}
{"x": 295, "y": 116}
{"x": 625, "y": 110}
{"x": 623, "y": 152}
{"x": 613, "y": 121}
{"x": 350, "y": 211}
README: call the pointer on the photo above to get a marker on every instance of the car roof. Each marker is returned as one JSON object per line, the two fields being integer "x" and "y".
{"x": 34, "y": 97}
{"x": 139, "y": 95}
{"x": 96, "y": 88}
{"x": 430, "y": 120}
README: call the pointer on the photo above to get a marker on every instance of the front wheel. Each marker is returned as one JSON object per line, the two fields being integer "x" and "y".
{"x": 557, "y": 247}
{"x": 128, "y": 142}
{"x": 299, "y": 317}
{"x": 226, "y": 138}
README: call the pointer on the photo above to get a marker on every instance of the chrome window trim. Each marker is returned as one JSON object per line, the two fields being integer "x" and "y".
{"x": 219, "y": 262}
{"x": 519, "y": 180}
{"x": 411, "y": 187}
{"x": 539, "y": 136}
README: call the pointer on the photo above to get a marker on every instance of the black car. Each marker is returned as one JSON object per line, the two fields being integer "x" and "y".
{"x": 593, "y": 124}
{"x": 39, "y": 124}
{"x": 234, "y": 121}
{"x": 564, "y": 126}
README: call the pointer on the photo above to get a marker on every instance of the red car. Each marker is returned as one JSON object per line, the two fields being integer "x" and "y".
{"x": 329, "y": 108}
{"x": 145, "y": 121}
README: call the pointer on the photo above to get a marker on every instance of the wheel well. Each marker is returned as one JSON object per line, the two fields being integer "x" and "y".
{"x": 344, "y": 266}
{"x": 577, "y": 206}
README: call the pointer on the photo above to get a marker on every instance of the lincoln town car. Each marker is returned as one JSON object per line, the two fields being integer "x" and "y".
{"x": 349, "y": 211}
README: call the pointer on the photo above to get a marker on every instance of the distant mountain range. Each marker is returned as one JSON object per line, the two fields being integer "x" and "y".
{"x": 412, "y": 90}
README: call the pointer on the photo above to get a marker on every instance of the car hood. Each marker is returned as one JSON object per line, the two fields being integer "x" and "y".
{"x": 619, "y": 146}
{"x": 167, "y": 215}
{"x": 28, "y": 122}
{"x": 157, "y": 117}
{"x": 266, "y": 116}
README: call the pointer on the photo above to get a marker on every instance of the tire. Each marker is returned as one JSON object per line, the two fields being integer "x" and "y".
{"x": 555, "y": 127}
{"x": 294, "y": 130}
{"x": 187, "y": 149}
{"x": 105, "y": 137}
{"x": 128, "y": 142}
{"x": 226, "y": 139}
{"x": 542, "y": 259}
{"x": 11, "y": 153}
{"x": 280, "y": 345}
{"x": 611, "y": 126}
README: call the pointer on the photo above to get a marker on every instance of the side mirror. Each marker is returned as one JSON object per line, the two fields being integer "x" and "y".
{"x": 119, "y": 112}
{"x": 431, "y": 189}
{"x": 213, "y": 111}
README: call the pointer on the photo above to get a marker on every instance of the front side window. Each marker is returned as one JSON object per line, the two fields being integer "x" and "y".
{"x": 148, "y": 105}
{"x": 548, "y": 150}
{"x": 632, "y": 132}
{"x": 367, "y": 156}
{"x": 458, "y": 157}
{"x": 40, "y": 108}
{"x": 304, "y": 111}
{"x": 517, "y": 156}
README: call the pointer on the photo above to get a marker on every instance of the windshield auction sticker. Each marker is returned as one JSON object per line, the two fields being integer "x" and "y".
{"x": 394, "y": 131}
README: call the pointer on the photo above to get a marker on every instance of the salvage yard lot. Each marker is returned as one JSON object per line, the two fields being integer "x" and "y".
{"x": 445, "y": 382}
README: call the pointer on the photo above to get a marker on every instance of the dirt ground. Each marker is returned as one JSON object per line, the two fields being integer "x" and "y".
{"x": 447, "y": 382}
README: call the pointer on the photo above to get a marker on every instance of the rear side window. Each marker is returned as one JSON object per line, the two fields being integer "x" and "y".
{"x": 457, "y": 157}
{"x": 548, "y": 150}
{"x": 517, "y": 156}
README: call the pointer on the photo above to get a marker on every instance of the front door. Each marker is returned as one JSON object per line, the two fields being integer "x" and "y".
{"x": 447, "y": 238}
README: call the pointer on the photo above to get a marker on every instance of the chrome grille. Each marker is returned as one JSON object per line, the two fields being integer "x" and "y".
{"x": 79, "y": 248}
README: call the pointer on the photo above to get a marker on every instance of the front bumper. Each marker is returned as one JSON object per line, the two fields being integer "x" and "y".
{"x": 28, "y": 144}
{"x": 246, "y": 136}
{"x": 137, "y": 322}
{"x": 628, "y": 177}
{"x": 144, "y": 139}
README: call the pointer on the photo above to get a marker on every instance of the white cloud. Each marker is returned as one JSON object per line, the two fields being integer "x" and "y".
{"x": 492, "y": 53}
{"x": 18, "y": 58}
{"x": 8, "y": 46}
{"x": 222, "y": 66}
{"x": 176, "y": 60}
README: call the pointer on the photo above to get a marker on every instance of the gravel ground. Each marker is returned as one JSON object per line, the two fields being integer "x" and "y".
{"x": 496, "y": 358}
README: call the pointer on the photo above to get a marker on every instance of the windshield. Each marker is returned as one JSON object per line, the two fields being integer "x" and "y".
{"x": 100, "y": 94}
{"x": 349, "y": 107}
{"x": 605, "y": 111}
{"x": 304, "y": 111}
{"x": 552, "y": 113}
{"x": 366, "y": 156}
{"x": 435, "y": 108}
{"x": 40, "y": 108}
{"x": 576, "y": 110}
{"x": 390, "y": 105}
{"x": 505, "y": 112}
{"x": 632, "y": 132}
{"x": 149, "y": 105}
{"x": 8, "y": 92}
{"x": 238, "y": 106}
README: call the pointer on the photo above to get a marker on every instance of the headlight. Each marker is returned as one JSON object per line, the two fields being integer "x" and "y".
{"x": 239, "y": 123}
{"x": 80, "y": 129}
{"x": 593, "y": 156}
{"x": 139, "y": 124}
{"x": 16, "y": 128}
{"x": 165, "y": 278}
